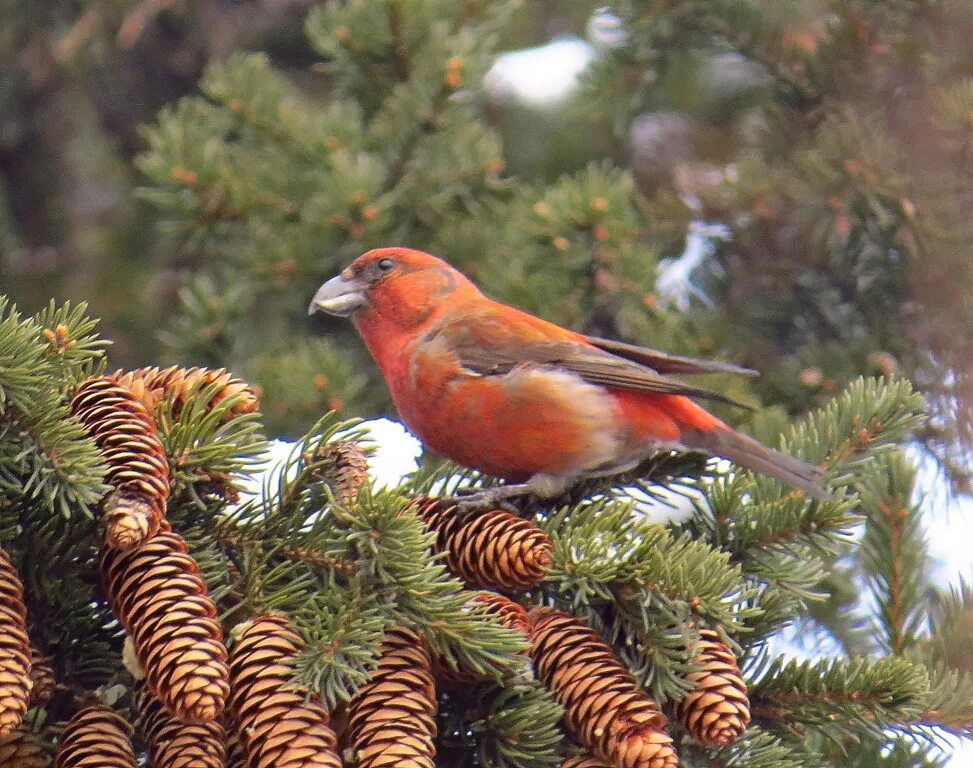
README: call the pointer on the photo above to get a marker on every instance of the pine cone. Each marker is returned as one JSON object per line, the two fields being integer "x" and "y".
{"x": 392, "y": 719}
{"x": 96, "y": 737}
{"x": 585, "y": 761}
{"x": 344, "y": 468}
{"x": 603, "y": 708}
{"x": 174, "y": 744}
{"x": 496, "y": 550}
{"x": 138, "y": 471}
{"x": 278, "y": 723}
{"x": 42, "y": 679}
{"x": 511, "y": 615}
{"x": 717, "y": 711}
{"x": 14, "y": 649}
{"x": 20, "y": 750}
{"x": 162, "y": 603}
{"x": 154, "y": 385}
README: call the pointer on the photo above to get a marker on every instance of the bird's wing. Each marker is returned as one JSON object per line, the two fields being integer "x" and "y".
{"x": 663, "y": 362}
{"x": 492, "y": 343}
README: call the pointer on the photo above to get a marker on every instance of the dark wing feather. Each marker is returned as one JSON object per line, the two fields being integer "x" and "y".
{"x": 663, "y": 362}
{"x": 593, "y": 365}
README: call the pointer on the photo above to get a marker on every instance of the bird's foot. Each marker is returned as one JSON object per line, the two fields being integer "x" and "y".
{"x": 492, "y": 498}
{"x": 540, "y": 486}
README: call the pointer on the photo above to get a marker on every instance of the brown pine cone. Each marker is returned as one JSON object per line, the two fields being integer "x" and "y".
{"x": 154, "y": 385}
{"x": 42, "y": 679}
{"x": 585, "y": 761}
{"x": 344, "y": 468}
{"x": 14, "y": 649}
{"x": 96, "y": 737}
{"x": 716, "y": 712}
{"x": 278, "y": 723}
{"x": 21, "y": 750}
{"x": 496, "y": 549}
{"x": 160, "y": 600}
{"x": 392, "y": 718}
{"x": 603, "y": 707}
{"x": 511, "y": 615}
{"x": 138, "y": 471}
{"x": 174, "y": 744}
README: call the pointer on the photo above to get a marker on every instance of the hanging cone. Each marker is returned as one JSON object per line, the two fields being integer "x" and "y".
{"x": 585, "y": 761}
{"x": 96, "y": 737}
{"x": 277, "y": 722}
{"x": 174, "y": 744}
{"x": 511, "y": 615}
{"x": 155, "y": 385}
{"x": 138, "y": 472}
{"x": 20, "y": 750}
{"x": 496, "y": 550}
{"x": 162, "y": 603}
{"x": 14, "y": 649}
{"x": 603, "y": 707}
{"x": 42, "y": 679}
{"x": 344, "y": 468}
{"x": 716, "y": 712}
{"x": 392, "y": 719}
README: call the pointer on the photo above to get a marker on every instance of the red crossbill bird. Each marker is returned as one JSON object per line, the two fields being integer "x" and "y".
{"x": 519, "y": 398}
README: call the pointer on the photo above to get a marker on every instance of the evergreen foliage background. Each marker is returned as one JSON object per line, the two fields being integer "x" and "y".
{"x": 817, "y": 151}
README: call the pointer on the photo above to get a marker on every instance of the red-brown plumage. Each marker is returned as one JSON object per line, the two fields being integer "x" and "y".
{"x": 495, "y": 388}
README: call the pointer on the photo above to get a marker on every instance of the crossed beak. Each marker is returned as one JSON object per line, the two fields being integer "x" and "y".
{"x": 339, "y": 296}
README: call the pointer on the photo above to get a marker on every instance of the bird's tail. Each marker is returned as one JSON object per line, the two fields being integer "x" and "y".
{"x": 748, "y": 453}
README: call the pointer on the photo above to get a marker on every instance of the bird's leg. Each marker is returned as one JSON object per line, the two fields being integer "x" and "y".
{"x": 540, "y": 485}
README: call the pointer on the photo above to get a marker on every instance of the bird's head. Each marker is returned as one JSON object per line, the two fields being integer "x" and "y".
{"x": 401, "y": 286}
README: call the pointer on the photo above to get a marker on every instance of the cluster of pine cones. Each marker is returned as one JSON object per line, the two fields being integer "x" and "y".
{"x": 199, "y": 706}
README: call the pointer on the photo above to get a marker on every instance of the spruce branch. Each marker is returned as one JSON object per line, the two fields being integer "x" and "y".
{"x": 893, "y": 552}
{"x": 781, "y": 538}
{"x": 948, "y": 707}
{"x": 647, "y": 585}
{"x": 343, "y": 627}
{"x": 871, "y": 416}
{"x": 610, "y": 550}
{"x": 300, "y": 480}
{"x": 390, "y": 546}
{"x": 853, "y": 696}
{"x": 946, "y": 651}
{"x": 950, "y": 642}
{"x": 44, "y": 454}
{"x": 75, "y": 349}
{"x": 758, "y": 748}
{"x": 212, "y": 438}
{"x": 513, "y": 726}
{"x": 298, "y": 546}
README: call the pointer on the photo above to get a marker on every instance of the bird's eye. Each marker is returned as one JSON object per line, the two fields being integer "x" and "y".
{"x": 386, "y": 264}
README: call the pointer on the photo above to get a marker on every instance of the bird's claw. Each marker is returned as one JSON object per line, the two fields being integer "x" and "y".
{"x": 491, "y": 498}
